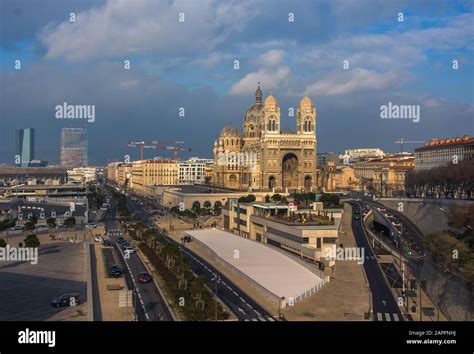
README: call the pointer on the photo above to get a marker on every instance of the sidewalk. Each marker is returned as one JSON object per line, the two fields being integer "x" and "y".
{"x": 346, "y": 296}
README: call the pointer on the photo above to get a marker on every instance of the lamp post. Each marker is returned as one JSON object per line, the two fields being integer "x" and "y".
{"x": 216, "y": 279}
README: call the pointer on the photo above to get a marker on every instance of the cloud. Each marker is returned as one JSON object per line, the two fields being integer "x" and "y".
{"x": 355, "y": 80}
{"x": 272, "y": 74}
{"x": 122, "y": 28}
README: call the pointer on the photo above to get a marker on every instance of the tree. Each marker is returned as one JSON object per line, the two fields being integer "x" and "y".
{"x": 32, "y": 241}
{"x": 51, "y": 222}
{"x": 6, "y": 224}
{"x": 276, "y": 197}
{"x": 330, "y": 200}
{"x": 29, "y": 225}
{"x": 70, "y": 222}
{"x": 3, "y": 244}
{"x": 247, "y": 199}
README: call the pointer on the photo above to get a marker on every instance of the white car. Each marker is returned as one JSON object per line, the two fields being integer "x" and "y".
{"x": 98, "y": 239}
{"x": 129, "y": 249}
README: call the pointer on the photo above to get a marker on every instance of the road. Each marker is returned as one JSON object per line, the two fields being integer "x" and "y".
{"x": 149, "y": 304}
{"x": 384, "y": 306}
{"x": 241, "y": 305}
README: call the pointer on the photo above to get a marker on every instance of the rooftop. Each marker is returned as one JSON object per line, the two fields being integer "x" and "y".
{"x": 274, "y": 271}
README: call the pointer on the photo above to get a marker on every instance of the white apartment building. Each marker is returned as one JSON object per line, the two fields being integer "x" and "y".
{"x": 354, "y": 155}
{"x": 193, "y": 171}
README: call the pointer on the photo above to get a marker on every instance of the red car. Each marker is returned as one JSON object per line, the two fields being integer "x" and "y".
{"x": 144, "y": 277}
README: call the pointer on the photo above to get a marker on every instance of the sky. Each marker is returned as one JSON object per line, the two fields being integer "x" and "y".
{"x": 351, "y": 57}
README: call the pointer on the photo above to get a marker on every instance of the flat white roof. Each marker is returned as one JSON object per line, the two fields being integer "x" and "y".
{"x": 274, "y": 271}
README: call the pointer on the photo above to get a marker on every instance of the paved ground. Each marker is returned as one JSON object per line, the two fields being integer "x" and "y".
{"x": 27, "y": 290}
{"x": 345, "y": 297}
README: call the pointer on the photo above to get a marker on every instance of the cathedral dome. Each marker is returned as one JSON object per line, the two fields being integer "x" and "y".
{"x": 255, "y": 112}
{"x": 230, "y": 131}
{"x": 306, "y": 102}
{"x": 270, "y": 101}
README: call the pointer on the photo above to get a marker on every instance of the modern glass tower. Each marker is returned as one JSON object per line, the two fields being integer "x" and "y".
{"x": 73, "y": 147}
{"x": 24, "y": 146}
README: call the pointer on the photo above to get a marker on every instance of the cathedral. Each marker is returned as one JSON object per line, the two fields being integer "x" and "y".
{"x": 267, "y": 157}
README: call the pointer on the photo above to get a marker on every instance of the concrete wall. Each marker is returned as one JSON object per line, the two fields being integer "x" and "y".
{"x": 449, "y": 293}
{"x": 428, "y": 214}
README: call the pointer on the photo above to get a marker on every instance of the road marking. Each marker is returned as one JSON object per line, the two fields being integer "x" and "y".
{"x": 395, "y": 316}
{"x": 242, "y": 300}
{"x": 242, "y": 311}
{"x": 250, "y": 306}
{"x": 258, "y": 313}
{"x": 254, "y": 320}
{"x": 379, "y": 316}
{"x": 235, "y": 293}
{"x": 262, "y": 319}
{"x": 146, "y": 315}
{"x": 270, "y": 319}
{"x": 387, "y": 316}
{"x": 228, "y": 287}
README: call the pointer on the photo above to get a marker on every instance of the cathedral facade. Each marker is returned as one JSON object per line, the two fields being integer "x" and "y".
{"x": 267, "y": 156}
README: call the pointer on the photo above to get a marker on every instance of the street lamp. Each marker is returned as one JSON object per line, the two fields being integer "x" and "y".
{"x": 216, "y": 279}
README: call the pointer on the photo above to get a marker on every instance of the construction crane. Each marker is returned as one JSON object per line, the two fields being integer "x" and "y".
{"x": 158, "y": 145}
{"x": 402, "y": 141}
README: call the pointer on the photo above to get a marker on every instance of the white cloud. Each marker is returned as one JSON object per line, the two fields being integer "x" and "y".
{"x": 272, "y": 74}
{"x": 354, "y": 81}
{"x": 122, "y": 28}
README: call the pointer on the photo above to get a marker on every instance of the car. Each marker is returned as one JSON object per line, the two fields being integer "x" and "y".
{"x": 16, "y": 228}
{"x": 98, "y": 239}
{"x": 144, "y": 277}
{"x": 125, "y": 245}
{"x": 116, "y": 271}
{"x": 91, "y": 225}
{"x": 66, "y": 300}
{"x": 106, "y": 242}
{"x": 129, "y": 249}
{"x": 120, "y": 239}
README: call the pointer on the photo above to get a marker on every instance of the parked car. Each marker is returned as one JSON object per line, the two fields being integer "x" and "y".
{"x": 91, "y": 225}
{"x": 16, "y": 228}
{"x": 66, "y": 300}
{"x": 98, "y": 239}
{"x": 120, "y": 239}
{"x": 144, "y": 277}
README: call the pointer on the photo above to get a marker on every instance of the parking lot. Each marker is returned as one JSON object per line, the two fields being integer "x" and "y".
{"x": 27, "y": 290}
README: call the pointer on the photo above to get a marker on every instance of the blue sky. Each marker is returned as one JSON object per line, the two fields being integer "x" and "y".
{"x": 190, "y": 64}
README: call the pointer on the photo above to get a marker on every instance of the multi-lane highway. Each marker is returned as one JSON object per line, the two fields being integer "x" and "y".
{"x": 242, "y": 306}
{"x": 149, "y": 304}
{"x": 384, "y": 306}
